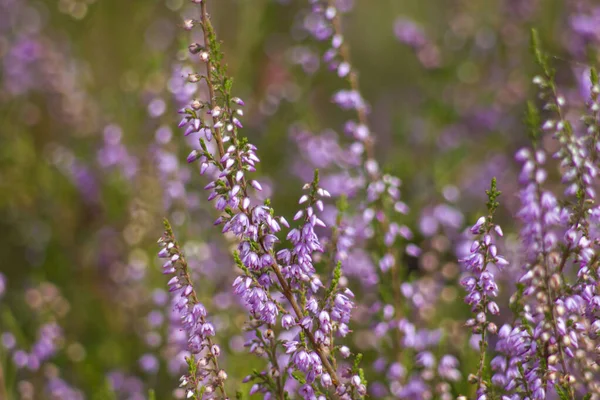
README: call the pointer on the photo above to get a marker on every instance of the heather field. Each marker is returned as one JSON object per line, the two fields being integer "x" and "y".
{"x": 299, "y": 199}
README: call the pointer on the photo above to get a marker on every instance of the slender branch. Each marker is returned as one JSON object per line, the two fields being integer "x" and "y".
{"x": 186, "y": 275}
{"x": 209, "y": 74}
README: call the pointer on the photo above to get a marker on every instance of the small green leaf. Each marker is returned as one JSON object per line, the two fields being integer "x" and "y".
{"x": 594, "y": 76}
{"x": 533, "y": 121}
{"x": 540, "y": 57}
{"x": 357, "y": 361}
{"x": 342, "y": 204}
{"x": 563, "y": 393}
{"x": 337, "y": 274}
{"x": 299, "y": 377}
{"x": 492, "y": 194}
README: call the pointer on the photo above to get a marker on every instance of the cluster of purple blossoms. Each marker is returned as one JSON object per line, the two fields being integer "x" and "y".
{"x": 382, "y": 191}
{"x": 49, "y": 337}
{"x": 124, "y": 385}
{"x": 372, "y": 232}
{"x": 204, "y": 377}
{"x": 517, "y": 345}
{"x": 481, "y": 286}
{"x": 410, "y": 33}
{"x": 57, "y": 388}
{"x": 539, "y": 212}
{"x": 375, "y": 226}
{"x": 279, "y": 285}
{"x": 39, "y": 358}
{"x": 274, "y": 282}
{"x": 114, "y": 154}
{"x": 517, "y": 353}
{"x": 550, "y": 344}
{"x": 430, "y": 376}
{"x": 49, "y": 341}
{"x": 33, "y": 61}
{"x": 296, "y": 321}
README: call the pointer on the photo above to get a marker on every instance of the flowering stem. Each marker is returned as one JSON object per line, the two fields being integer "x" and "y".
{"x": 372, "y": 173}
{"x": 214, "y": 74}
{"x": 273, "y": 357}
{"x": 354, "y": 83}
{"x": 482, "y": 342}
{"x": 207, "y": 30}
{"x": 550, "y": 296}
{"x": 287, "y": 292}
{"x": 184, "y": 273}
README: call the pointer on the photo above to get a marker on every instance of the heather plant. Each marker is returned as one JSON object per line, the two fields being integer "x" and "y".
{"x": 390, "y": 280}
{"x": 319, "y": 314}
{"x": 374, "y": 198}
{"x": 230, "y": 192}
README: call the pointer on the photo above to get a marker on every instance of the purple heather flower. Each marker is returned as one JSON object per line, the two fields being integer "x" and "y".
{"x": 409, "y": 32}
{"x": 149, "y": 363}
{"x": 8, "y": 340}
{"x": 266, "y": 271}
{"x": 192, "y": 315}
{"x": 42, "y": 350}
{"x": 59, "y": 389}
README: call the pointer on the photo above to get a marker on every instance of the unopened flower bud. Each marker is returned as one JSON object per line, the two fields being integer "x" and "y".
{"x": 269, "y": 335}
{"x": 193, "y": 156}
{"x": 481, "y": 317}
{"x": 555, "y": 282}
{"x": 545, "y": 337}
{"x": 362, "y": 390}
{"x": 345, "y": 351}
{"x": 195, "y": 48}
{"x": 237, "y": 101}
